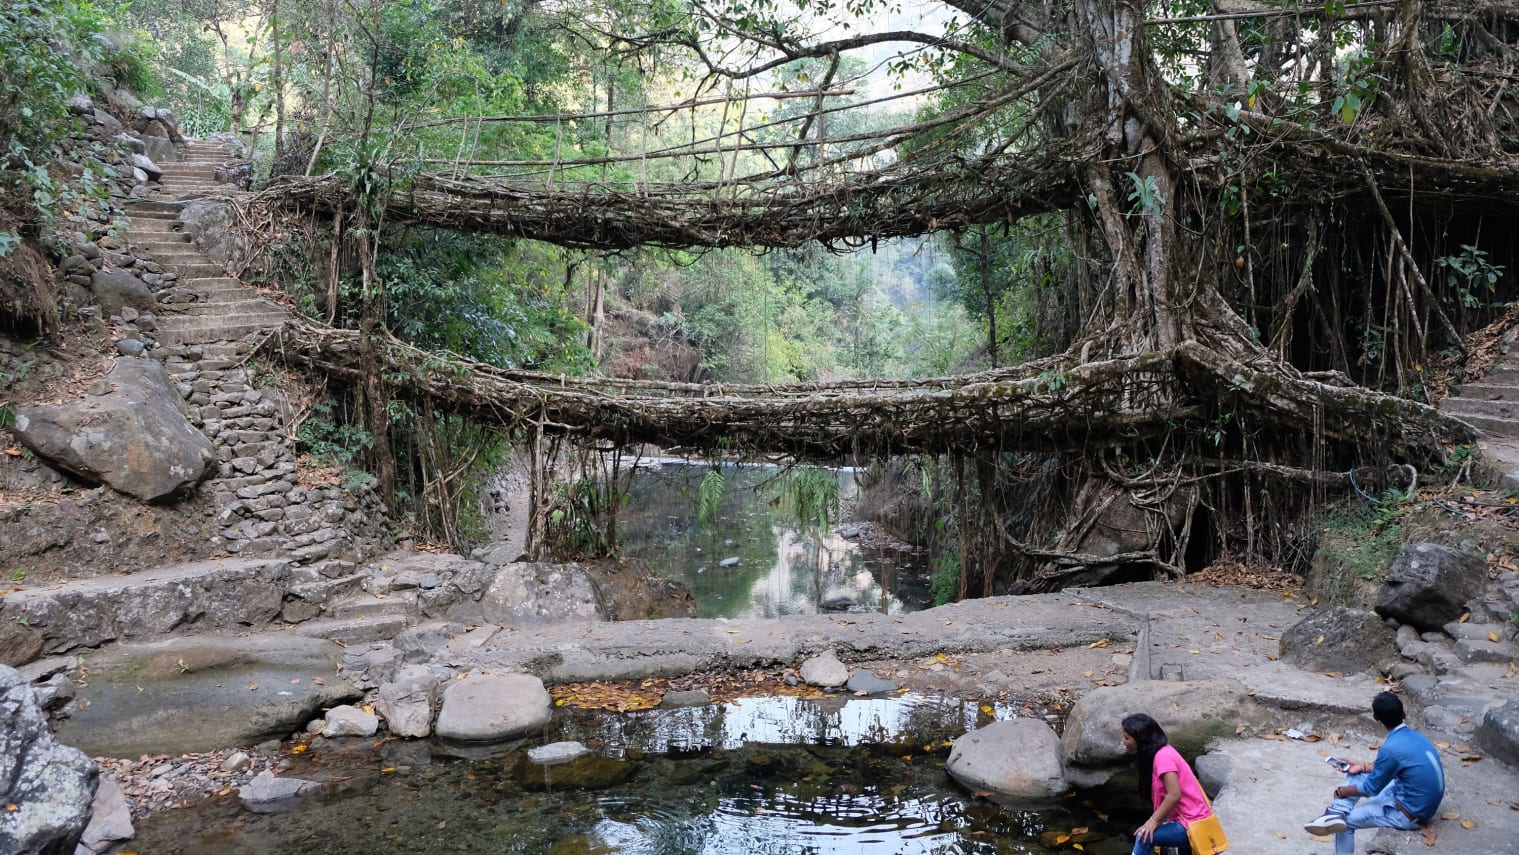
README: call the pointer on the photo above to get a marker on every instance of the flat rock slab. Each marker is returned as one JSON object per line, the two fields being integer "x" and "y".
{"x": 1273, "y": 787}
{"x": 625, "y": 650}
{"x": 213, "y": 594}
{"x": 202, "y": 693}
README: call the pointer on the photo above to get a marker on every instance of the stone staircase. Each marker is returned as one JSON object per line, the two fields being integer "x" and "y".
{"x": 223, "y": 308}
{"x": 206, "y": 336}
{"x": 1491, "y": 405}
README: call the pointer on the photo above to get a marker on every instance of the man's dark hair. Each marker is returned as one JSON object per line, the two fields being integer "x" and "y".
{"x": 1387, "y": 709}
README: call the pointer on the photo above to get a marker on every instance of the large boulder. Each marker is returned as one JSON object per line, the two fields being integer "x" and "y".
{"x": 203, "y": 693}
{"x": 209, "y": 223}
{"x": 485, "y": 706}
{"x": 47, "y": 788}
{"x": 1340, "y": 639}
{"x": 131, "y": 434}
{"x": 532, "y": 594}
{"x": 1191, "y": 713}
{"x": 1498, "y": 734}
{"x": 1019, "y": 759}
{"x": 116, "y": 289}
{"x": 1429, "y": 585}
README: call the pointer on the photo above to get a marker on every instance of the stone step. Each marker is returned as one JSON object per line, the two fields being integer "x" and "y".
{"x": 402, "y": 604}
{"x": 222, "y": 293}
{"x": 164, "y": 242}
{"x": 208, "y": 333}
{"x": 234, "y": 308}
{"x": 197, "y": 270}
{"x": 208, "y": 282}
{"x": 359, "y": 631}
{"x": 1502, "y": 374}
{"x": 1489, "y": 392}
{"x": 154, "y": 206}
{"x": 188, "y": 170}
{"x": 134, "y": 215}
{"x": 324, "y": 591}
{"x": 176, "y": 260}
{"x": 1463, "y": 407}
{"x": 1489, "y": 424}
{"x": 155, "y": 225}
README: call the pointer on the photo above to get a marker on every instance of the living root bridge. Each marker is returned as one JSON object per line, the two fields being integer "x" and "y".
{"x": 1044, "y": 406}
{"x": 605, "y": 217}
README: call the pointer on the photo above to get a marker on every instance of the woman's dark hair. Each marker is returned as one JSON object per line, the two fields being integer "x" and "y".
{"x": 1148, "y": 735}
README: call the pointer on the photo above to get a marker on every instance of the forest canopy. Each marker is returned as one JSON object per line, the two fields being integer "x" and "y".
{"x": 1230, "y": 246}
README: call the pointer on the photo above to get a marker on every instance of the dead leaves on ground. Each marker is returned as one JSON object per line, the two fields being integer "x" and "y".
{"x": 634, "y": 695}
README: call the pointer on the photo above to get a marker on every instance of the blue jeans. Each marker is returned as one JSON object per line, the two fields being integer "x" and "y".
{"x": 1378, "y": 811}
{"x": 1166, "y": 834}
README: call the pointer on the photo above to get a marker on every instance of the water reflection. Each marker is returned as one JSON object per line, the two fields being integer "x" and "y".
{"x": 908, "y": 721}
{"x": 753, "y": 561}
{"x": 856, "y": 777}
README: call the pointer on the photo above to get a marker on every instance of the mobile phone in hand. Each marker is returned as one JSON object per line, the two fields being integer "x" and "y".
{"x": 1342, "y": 765}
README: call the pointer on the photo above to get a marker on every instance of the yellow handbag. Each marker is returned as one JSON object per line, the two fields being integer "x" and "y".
{"x": 1206, "y": 836}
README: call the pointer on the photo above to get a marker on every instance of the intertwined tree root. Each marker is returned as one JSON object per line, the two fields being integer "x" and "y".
{"x": 1051, "y": 405}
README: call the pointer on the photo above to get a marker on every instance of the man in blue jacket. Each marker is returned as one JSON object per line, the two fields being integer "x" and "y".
{"x": 1402, "y": 789}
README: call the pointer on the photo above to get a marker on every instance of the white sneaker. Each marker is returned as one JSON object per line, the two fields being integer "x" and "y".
{"x": 1329, "y": 823}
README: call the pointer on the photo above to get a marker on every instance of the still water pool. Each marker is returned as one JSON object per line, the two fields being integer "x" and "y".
{"x": 758, "y": 776}
{"x": 754, "y": 560}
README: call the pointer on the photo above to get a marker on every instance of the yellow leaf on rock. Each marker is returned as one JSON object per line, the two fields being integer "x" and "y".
{"x": 298, "y": 749}
{"x": 1468, "y": 823}
{"x": 1452, "y": 814}
{"x": 1492, "y": 636}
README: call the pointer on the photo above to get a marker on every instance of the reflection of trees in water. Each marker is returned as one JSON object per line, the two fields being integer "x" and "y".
{"x": 781, "y": 570}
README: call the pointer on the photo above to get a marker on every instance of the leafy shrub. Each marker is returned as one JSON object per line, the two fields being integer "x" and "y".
{"x": 46, "y": 50}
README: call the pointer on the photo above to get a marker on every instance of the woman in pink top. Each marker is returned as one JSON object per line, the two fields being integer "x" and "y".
{"x": 1165, "y": 782}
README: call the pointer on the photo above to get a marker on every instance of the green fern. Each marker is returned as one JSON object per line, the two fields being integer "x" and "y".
{"x": 811, "y": 494}
{"x": 709, "y": 496}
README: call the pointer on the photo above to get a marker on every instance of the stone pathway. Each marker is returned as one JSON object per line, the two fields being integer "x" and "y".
{"x": 205, "y": 345}
{"x": 1491, "y": 405}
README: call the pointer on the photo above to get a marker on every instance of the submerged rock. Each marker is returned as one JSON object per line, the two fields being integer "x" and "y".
{"x": 267, "y": 793}
{"x": 572, "y": 766}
